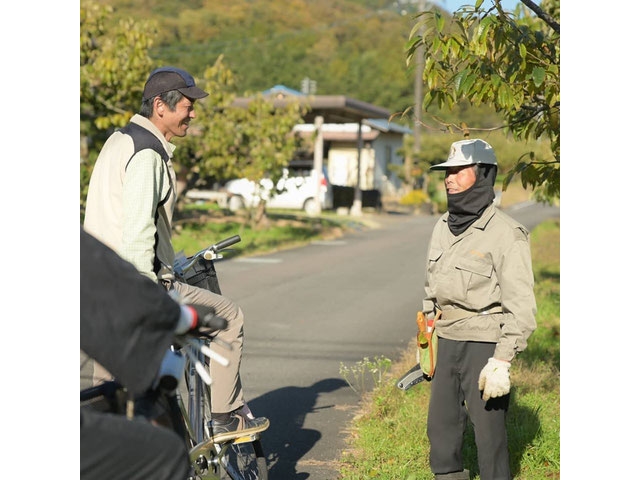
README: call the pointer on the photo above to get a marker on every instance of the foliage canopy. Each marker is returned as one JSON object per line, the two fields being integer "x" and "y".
{"x": 509, "y": 60}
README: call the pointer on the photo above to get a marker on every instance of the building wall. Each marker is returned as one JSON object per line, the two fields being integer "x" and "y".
{"x": 386, "y": 148}
{"x": 375, "y": 158}
{"x": 378, "y": 152}
{"x": 343, "y": 165}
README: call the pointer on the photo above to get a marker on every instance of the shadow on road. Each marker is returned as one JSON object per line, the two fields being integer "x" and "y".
{"x": 286, "y": 442}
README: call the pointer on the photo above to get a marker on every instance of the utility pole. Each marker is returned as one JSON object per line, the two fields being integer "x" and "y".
{"x": 417, "y": 88}
{"x": 356, "y": 208}
{"x": 318, "y": 153}
{"x": 418, "y": 92}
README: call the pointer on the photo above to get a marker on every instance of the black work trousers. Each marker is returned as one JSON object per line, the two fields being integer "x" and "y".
{"x": 454, "y": 399}
{"x": 113, "y": 447}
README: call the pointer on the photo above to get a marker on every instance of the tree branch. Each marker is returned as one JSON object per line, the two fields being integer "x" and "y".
{"x": 543, "y": 15}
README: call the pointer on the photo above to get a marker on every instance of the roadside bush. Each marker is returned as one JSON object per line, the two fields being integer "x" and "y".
{"x": 415, "y": 198}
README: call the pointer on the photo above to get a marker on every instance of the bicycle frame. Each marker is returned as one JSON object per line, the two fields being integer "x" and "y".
{"x": 238, "y": 459}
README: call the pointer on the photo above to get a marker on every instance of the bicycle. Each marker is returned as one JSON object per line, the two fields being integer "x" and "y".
{"x": 237, "y": 459}
{"x": 187, "y": 410}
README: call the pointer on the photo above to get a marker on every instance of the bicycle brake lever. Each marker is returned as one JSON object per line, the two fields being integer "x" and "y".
{"x": 198, "y": 365}
{"x": 197, "y": 345}
{"x": 214, "y": 356}
{"x": 222, "y": 343}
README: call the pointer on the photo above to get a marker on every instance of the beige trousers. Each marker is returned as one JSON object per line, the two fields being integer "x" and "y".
{"x": 226, "y": 389}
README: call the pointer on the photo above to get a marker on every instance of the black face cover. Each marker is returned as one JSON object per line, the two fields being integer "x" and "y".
{"x": 466, "y": 207}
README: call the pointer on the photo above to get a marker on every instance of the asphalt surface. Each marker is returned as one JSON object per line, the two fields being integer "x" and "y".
{"x": 309, "y": 311}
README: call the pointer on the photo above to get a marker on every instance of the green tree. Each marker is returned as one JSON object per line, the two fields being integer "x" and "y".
{"x": 233, "y": 142}
{"x": 509, "y": 60}
{"x": 113, "y": 66}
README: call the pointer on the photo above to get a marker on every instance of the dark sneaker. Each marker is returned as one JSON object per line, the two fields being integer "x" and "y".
{"x": 238, "y": 426}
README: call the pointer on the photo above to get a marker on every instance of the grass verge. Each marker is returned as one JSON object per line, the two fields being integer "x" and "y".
{"x": 202, "y": 225}
{"x": 388, "y": 437}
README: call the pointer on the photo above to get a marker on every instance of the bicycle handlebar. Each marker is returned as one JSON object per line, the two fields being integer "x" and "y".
{"x": 216, "y": 248}
{"x": 183, "y": 264}
{"x": 214, "y": 323}
{"x": 227, "y": 242}
{"x": 197, "y": 319}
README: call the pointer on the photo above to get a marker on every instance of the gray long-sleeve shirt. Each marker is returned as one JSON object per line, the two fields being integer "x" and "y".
{"x": 487, "y": 267}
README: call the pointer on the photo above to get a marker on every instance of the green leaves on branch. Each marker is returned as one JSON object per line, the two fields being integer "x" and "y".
{"x": 234, "y": 142}
{"x": 113, "y": 68}
{"x": 510, "y": 61}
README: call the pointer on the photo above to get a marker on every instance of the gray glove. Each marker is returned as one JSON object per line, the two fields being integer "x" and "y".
{"x": 494, "y": 379}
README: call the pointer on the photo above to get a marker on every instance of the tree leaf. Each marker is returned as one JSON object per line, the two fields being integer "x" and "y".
{"x": 523, "y": 50}
{"x": 538, "y": 75}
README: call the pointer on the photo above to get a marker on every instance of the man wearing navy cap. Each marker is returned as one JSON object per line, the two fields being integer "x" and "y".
{"x": 130, "y": 203}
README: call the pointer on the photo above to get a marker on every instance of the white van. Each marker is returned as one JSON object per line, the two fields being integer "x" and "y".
{"x": 295, "y": 190}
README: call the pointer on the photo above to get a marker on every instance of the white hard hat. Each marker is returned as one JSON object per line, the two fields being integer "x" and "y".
{"x": 468, "y": 152}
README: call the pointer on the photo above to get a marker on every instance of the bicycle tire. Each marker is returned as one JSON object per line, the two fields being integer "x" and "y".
{"x": 245, "y": 461}
{"x": 234, "y": 460}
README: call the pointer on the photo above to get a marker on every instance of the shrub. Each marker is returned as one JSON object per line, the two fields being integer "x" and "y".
{"x": 415, "y": 198}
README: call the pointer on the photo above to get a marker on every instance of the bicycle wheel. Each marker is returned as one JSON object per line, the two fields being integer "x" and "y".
{"x": 243, "y": 460}
{"x": 239, "y": 459}
{"x": 195, "y": 403}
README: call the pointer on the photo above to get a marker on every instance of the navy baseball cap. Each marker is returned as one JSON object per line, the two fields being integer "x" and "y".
{"x": 165, "y": 79}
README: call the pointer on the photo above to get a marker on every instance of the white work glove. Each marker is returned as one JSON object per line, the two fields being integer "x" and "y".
{"x": 494, "y": 379}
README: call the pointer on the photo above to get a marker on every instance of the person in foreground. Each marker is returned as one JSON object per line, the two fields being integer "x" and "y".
{"x": 127, "y": 322}
{"x": 130, "y": 203}
{"x": 479, "y": 276}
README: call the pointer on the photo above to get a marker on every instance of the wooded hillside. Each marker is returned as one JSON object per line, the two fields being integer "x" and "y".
{"x": 348, "y": 47}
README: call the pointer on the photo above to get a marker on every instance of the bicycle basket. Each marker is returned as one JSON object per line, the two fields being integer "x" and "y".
{"x": 203, "y": 275}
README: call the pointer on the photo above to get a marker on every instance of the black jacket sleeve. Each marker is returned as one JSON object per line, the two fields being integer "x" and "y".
{"x": 127, "y": 321}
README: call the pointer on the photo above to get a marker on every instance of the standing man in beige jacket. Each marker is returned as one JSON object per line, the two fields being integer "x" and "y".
{"x": 479, "y": 275}
{"x": 130, "y": 202}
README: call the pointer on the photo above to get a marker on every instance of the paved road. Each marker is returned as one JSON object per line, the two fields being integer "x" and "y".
{"x": 308, "y": 310}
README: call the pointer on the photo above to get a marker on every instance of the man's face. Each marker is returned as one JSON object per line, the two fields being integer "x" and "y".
{"x": 459, "y": 179}
{"x": 176, "y": 123}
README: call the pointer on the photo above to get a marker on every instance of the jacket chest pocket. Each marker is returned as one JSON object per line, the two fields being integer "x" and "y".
{"x": 475, "y": 278}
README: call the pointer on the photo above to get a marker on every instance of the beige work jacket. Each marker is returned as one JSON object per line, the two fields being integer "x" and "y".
{"x": 482, "y": 280}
